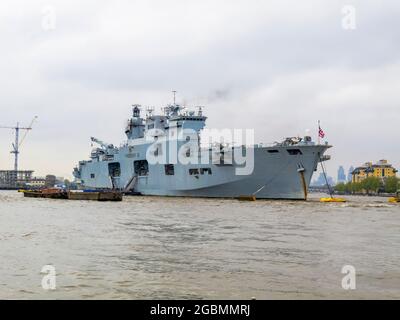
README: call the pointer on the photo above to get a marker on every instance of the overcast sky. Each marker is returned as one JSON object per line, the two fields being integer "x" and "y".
{"x": 275, "y": 66}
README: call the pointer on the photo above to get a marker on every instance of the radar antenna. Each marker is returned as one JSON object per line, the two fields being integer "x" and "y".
{"x": 150, "y": 111}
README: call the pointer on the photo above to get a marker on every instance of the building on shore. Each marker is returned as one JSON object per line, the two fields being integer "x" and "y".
{"x": 321, "y": 181}
{"x": 50, "y": 180}
{"x": 341, "y": 176}
{"x": 11, "y": 179}
{"x": 382, "y": 169}
{"x": 350, "y": 174}
{"x": 36, "y": 183}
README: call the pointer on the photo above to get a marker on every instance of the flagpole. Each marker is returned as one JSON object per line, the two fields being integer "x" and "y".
{"x": 319, "y": 127}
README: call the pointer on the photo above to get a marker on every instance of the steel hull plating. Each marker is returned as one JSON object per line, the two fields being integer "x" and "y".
{"x": 276, "y": 175}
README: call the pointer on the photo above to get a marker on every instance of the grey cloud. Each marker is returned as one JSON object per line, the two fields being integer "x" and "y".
{"x": 275, "y": 66}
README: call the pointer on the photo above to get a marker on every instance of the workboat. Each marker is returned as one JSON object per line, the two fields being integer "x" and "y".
{"x": 50, "y": 193}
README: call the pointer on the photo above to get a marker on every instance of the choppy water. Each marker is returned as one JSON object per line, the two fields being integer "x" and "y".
{"x": 169, "y": 248}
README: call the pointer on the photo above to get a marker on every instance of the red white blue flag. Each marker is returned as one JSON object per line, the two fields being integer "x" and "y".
{"x": 321, "y": 133}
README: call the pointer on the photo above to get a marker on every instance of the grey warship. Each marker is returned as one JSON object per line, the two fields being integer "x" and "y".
{"x": 164, "y": 155}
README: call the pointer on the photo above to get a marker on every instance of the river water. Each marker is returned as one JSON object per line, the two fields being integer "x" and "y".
{"x": 182, "y": 248}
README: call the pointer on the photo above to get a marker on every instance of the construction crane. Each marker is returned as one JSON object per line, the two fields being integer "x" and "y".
{"x": 17, "y": 144}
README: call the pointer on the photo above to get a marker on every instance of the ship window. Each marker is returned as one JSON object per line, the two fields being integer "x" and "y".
{"x": 294, "y": 152}
{"x": 187, "y": 138}
{"x": 114, "y": 169}
{"x": 141, "y": 167}
{"x": 193, "y": 171}
{"x": 150, "y": 126}
{"x": 169, "y": 169}
{"x": 92, "y": 175}
{"x": 273, "y": 151}
{"x": 205, "y": 170}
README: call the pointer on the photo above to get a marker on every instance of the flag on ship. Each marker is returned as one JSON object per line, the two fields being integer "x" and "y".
{"x": 321, "y": 133}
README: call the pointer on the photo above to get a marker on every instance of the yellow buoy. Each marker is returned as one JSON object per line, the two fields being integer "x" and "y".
{"x": 333, "y": 199}
{"x": 394, "y": 200}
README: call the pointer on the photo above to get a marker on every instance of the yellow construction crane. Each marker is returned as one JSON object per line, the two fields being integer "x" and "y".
{"x": 17, "y": 144}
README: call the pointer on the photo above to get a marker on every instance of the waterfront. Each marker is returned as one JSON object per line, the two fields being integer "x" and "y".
{"x": 171, "y": 248}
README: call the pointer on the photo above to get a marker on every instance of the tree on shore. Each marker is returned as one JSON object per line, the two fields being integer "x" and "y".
{"x": 369, "y": 185}
{"x": 341, "y": 187}
{"x": 392, "y": 184}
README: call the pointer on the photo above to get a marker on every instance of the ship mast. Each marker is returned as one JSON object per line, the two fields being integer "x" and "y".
{"x": 174, "y": 92}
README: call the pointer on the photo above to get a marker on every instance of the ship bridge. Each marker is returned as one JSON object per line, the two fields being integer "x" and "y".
{"x": 175, "y": 118}
{"x": 178, "y": 118}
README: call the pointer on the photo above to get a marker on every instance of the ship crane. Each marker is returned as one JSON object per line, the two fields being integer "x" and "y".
{"x": 101, "y": 143}
{"x": 17, "y": 144}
